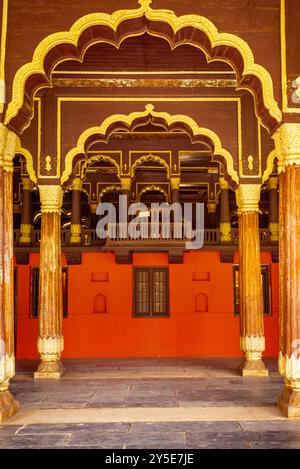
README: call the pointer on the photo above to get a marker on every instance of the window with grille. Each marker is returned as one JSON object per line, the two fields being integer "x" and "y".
{"x": 34, "y": 291}
{"x": 266, "y": 289}
{"x": 151, "y": 292}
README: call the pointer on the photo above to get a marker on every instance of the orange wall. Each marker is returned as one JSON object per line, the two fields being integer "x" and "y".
{"x": 117, "y": 334}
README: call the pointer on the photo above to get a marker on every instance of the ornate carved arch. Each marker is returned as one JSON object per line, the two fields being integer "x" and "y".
{"x": 169, "y": 122}
{"x": 100, "y": 157}
{"x": 150, "y": 157}
{"x": 115, "y": 28}
{"x": 112, "y": 188}
{"x": 153, "y": 188}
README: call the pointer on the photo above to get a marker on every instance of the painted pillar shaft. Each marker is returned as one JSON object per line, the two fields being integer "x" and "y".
{"x": 76, "y": 212}
{"x": 50, "y": 340}
{"x": 251, "y": 299}
{"x": 225, "y": 228}
{"x": 290, "y": 270}
{"x": 2, "y": 308}
{"x": 26, "y": 222}
{"x": 273, "y": 208}
{"x": 8, "y": 405}
{"x": 252, "y": 324}
{"x": 8, "y": 272}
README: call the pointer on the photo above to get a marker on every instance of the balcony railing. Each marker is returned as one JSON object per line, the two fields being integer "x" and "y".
{"x": 163, "y": 236}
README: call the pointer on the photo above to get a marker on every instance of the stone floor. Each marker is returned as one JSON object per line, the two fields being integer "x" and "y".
{"x": 149, "y": 403}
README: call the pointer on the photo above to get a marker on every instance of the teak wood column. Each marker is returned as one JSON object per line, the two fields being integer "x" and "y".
{"x": 50, "y": 339}
{"x": 211, "y": 210}
{"x": 8, "y": 405}
{"x": 251, "y": 299}
{"x": 225, "y": 228}
{"x": 273, "y": 208}
{"x": 76, "y": 212}
{"x": 287, "y": 141}
{"x": 26, "y": 222}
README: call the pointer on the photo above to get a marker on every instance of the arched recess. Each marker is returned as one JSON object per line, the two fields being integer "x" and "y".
{"x": 107, "y": 189}
{"x": 94, "y": 28}
{"x": 169, "y": 122}
{"x": 99, "y": 157}
{"x": 153, "y": 188}
{"x": 150, "y": 157}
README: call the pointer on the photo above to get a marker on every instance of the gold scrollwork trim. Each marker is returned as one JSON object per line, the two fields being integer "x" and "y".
{"x": 114, "y": 20}
{"x": 129, "y": 119}
{"x": 270, "y": 165}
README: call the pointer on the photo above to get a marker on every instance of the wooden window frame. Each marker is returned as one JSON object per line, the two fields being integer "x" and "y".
{"x": 266, "y": 287}
{"x": 151, "y": 270}
{"x": 34, "y": 291}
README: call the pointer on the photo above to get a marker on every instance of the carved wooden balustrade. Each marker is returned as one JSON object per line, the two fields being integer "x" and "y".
{"x": 168, "y": 235}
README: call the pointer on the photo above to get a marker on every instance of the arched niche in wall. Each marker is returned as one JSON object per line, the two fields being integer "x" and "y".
{"x": 100, "y": 304}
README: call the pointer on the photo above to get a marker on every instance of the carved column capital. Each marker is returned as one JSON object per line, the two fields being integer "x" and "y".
{"x": 272, "y": 183}
{"x": 93, "y": 206}
{"x": 126, "y": 183}
{"x": 223, "y": 184}
{"x": 211, "y": 206}
{"x": 247, "y": 197}
{"x": 27, "y": 183}
{"x": 287, "y": 144}
{"x": 175, "y": 182}
{"x": 51, "y": 198}
{"x": 8, "y": 144}
{"x": 77, "y": 184}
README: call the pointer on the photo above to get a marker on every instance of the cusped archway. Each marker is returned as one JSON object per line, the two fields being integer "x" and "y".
{"x": 115, "y": 28}
{"x": 171, "y": 123}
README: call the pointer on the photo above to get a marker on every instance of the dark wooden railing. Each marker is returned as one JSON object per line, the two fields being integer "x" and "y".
{"x": 163, "y": 235}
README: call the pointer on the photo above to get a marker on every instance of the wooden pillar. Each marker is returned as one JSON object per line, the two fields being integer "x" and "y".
{"x": 251, "y": 299}
{"x": 273, "y": 208}
{"x": 175, "y": 182}
{"x": 126, "y": 190}
{"x": 225, "y": 227}
{"x": 26, "y": 222}
{"x": 94, "y": 216}
{"x": 50, "y": 339}
{"x": 76, "y": 212}
{"x": 287, "y": 140}
{"x": 211, "y": 209}
{"x": 8, "y": 405}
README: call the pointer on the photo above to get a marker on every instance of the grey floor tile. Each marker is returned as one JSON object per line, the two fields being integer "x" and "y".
{"x": 33, "y": 441}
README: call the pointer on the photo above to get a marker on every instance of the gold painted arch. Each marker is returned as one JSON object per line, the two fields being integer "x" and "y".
{"x": 99, "y": 157}
{"x": 164, "y": 119}
{"x": 150, "y": 157}
{"x": 249, "y": 73}
{"x": 155, "y": 188}
{"x": 111, "y": 188}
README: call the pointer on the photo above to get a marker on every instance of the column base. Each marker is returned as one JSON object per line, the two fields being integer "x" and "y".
{"x": 253, "y": 368}
{"x": 49, "y": 370}
{"x": 8, "y": 405}
{"x": 289, "y": 402}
